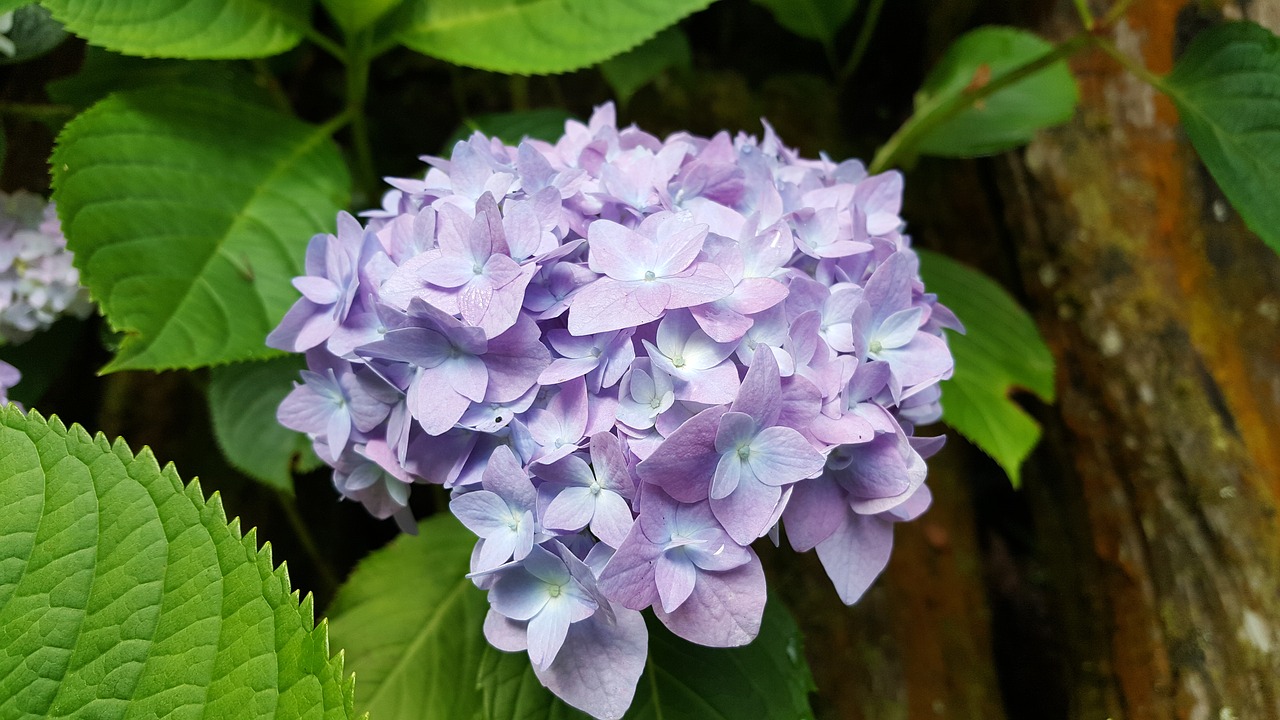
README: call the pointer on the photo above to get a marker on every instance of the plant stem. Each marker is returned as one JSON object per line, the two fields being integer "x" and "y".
{"x": 863, "y": 42}
{"x": 358, "y": 58}
{"x": 37, "y": 111}
{"x": 323, "y": 42}
{"x": 1115, "y": 12}
{"x": 937, "y": 111}
{"x": 1086, "y": 15}
{"x": 328, "y": 578}
{"x": 1133, "y": 66}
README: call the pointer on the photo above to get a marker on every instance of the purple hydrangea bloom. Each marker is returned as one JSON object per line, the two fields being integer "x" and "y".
{"x": 629, "y": 358}
{"x": 38, "y": 283}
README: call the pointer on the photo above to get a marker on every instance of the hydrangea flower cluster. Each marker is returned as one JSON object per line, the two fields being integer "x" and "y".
{"x": 628, "y": 359}
{"x": 38, "y": 284}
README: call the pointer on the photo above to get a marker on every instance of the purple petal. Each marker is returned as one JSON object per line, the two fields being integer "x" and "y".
{"x": 760, "y": 394}
{"x": 434, "y": 404}
{"x": 856, "y": 553}
{"x": 612, "y": 520}
{"x": 745, "y": 513}
{"x": 686, "y": 461}
{"x": 599, "y": 664}
{"x": 780, "y": 455}
{"x": 319, "y": 290}
{"x": 724, "y": 609}
{"x": 628, "y": 578}
{"x": 565, "y": 369}
{"x": 515, "y": 359}
{"x": 728, "y": 475}
{"x": 466, "y": 374}
{"x": 702, "y": 283}
{"x": 816, "y": 509}
{"x": 616, "y": 251}
{"x": 482, "y": 512}
{"x": 571, "y": 509}
{"x": 607, "y": 304}
{"x": 610, "y": 464}
{"x": 675, "y": 576}
{"x": 505, "y": 634}
{"x": 547, "y": 631}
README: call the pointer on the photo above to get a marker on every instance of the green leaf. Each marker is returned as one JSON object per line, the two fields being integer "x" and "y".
{"x": 124, "y": 593}
{"x": 189, "y": 212}
{"x": 512, "y": 127}
{"x": 104, "y": 72}
{"x": 411, "y": 625}
{"x": 1009, "y": 117}
{"x": 815, "y": 19}
{"x": 1227, "y": 89}
{"x": 636, "y": 68}
{"x": 532, "y": 36}
{"x": 242, "y": 404}
{"x": 33, "y": 34}
{"x": 356, "y": 15}
{"x": 7, "y": 5}
{"x": 1000, "y": 351}
{"x": 766, "y": 680}
{"x": 187, "y": 28}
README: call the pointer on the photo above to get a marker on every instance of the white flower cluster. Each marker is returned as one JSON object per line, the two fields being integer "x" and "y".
{"x": 38, "y": 283}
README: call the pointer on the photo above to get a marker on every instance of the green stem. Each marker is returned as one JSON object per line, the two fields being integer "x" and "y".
{"x": 1086, "y": 15}
{"x": 328, "y": 578}
{"x": 939, "y": 110}
{"x": 323, "y": 42}
{"x": 37, "y": 111}
{"x": 1133, "y": 66}
{"x": 358, "y": 59}
{"x": 863, "y": 42}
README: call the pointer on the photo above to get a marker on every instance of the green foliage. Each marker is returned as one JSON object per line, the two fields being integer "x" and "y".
{"x": 815, "y": 19}
{"x": 636, "y": 68}
{"x": 187, "y": 28}
{"x": 7, "y": 5}
{"x": 531, "y": 36}
{"x": 411, "y": 626}
{"x": 1009, "y": 117}
{"x": 43, "y": 358}
{"x": 512, "y": 127}
{"x": 189, "y": 212}
{"x": 1227, "y": 89}
{"x": 356, "y": 15}
{"x": 104, "y": 72}
{"x": 34, "y": 33}
{"x": 1001, "y": 351}
{"x": 242, "y": 406}
{"x": 766, "y": 680}
{"x": 125, "y": 593}
{"x": 410, "y": 623}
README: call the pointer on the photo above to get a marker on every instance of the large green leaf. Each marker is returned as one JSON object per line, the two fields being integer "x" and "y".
{"x": 124, "y": 593}
{"x": 189, "y": 212}
{"x": 636, "y": 68}
{"x": 766, "y": 680}
{"x": 410, "y": 623}
{"x": 242, "y": 404}
{"x": 1227, "y": 89}
{"x": 532, "y": 36}
{"x": 1009, "y": 117}
{"x": 815, "y": 19}
{"x": 187, "y": 28}
{"x": 1001, "y": 351}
